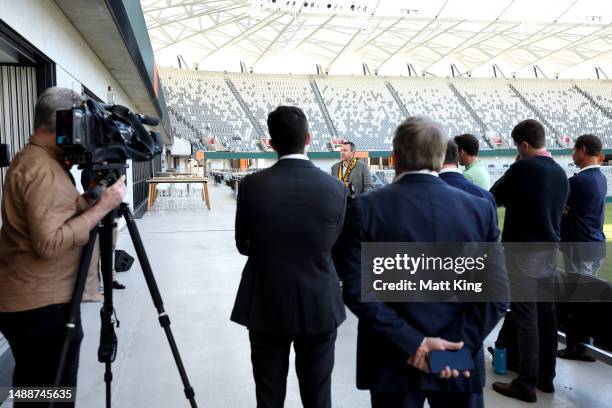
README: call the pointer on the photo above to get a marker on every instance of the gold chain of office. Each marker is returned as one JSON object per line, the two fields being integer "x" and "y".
{"x": 347, "y": 174}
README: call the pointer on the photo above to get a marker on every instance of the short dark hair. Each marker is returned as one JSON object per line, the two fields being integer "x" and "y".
{"x": 468, "y": 143}
{"x": 530, "y": 131}
{"x": 452, "y": 153}
{"x": 288, "y": 128}
{"x": 591, "y": 143}
{"x": 350, "y": 144}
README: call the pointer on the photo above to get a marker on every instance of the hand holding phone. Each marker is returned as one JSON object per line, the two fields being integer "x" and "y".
{"x": 419, "y": 359}
{"x": 459, "y": 360}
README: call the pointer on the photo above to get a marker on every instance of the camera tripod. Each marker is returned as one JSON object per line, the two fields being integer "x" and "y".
{"x": 108, "y": 340}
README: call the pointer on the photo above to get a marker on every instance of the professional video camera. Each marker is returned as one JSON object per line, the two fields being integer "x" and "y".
{"x": 95, "y": 134}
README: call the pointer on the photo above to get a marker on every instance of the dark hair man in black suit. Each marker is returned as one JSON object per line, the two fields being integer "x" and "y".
{"x": 288, "y": 218}
{"x": 534, "y": 191}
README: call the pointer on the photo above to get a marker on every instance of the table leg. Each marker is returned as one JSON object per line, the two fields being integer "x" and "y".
{"x": 206, "y": 197}
{"x": 152, "y": 195}
{"x": 149, "y": 204}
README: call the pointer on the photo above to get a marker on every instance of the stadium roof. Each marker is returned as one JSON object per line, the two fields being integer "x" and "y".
{"x": 562, "y": 37}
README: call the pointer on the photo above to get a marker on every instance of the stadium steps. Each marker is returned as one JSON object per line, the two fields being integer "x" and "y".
{"x": 260, "y": 132}
{"x": 539, "y": 115}
{"x": 180, "y": 118}
{"x": 588, "y": 96}
{"x": 464, "y": 102}
{"x": 398, "y": 100}
{"x": 326, "y": 116}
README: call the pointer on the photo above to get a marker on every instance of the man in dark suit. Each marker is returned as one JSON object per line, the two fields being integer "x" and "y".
{"x": 394, "y": 338}
{"x": 288, "y": 218}
{"x": 451, "y": 174}
{"x": 354, "y": 173}
{"x": 534, "y": 191}
{"x": 582, "y": 232}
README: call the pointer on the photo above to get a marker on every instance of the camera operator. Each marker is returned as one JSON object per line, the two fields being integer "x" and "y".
{"x": 45, "y": 224}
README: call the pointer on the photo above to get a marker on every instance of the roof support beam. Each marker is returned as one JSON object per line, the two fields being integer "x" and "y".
{"x": 331, "y": 63}
{"x": 272, "y": 17}
{"x": 567, "y": 47}
{"x": 280, "y": 34}
{"x": 212, "y": 28}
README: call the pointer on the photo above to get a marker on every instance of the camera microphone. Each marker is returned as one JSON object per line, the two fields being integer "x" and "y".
{"x": 148, "y": 120}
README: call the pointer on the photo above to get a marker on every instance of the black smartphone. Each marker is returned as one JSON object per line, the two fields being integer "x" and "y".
{"x": 459, "y": 360}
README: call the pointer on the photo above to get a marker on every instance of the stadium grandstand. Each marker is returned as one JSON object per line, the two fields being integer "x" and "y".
{"x": 367, "y": 109}
{"x": 211, "y": 72}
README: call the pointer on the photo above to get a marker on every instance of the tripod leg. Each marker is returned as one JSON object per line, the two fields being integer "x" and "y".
{"x": 72, "y": 324}
{"x": 108, "y": 340}
{"x": 164, "y": 319}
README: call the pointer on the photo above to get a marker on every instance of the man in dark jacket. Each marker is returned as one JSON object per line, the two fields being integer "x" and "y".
{"x": 584, "y": 242}
{"x": 288, "y": 218}
{"x": 451, "y": 174}
{"x": 534, "y": 191}
{"x": 394, "y": 338}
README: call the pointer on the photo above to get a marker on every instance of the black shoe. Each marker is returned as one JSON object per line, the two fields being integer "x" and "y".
{"x": 117, "y": 285}
{"x": 573, "y": 354}
{"x": 547, "y": 387}
{"x": 515, "y": 390}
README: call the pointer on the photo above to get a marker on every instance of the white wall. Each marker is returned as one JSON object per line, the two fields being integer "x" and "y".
{"x": 43, "y": 24}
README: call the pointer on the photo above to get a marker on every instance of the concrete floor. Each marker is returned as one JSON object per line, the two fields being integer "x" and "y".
{"x": 198, "y": 269}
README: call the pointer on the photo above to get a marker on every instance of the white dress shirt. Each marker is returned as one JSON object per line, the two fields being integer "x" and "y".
{"x": 298, "y": 156}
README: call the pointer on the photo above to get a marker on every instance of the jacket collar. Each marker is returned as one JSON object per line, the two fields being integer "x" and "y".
{"x": 451, "y": 174}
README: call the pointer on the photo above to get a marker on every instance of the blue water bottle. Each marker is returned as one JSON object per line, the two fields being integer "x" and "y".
{"x": 499, "y": 360}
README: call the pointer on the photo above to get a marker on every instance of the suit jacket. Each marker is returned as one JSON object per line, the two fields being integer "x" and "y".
{"x": 288, "y": 218}
{"x": 459, "y": 181}
{"x": 534, "y": 192}
{"x": 360, "y": 177}
{"x": 584, "y": 219}
{"x": 416, "y": 208}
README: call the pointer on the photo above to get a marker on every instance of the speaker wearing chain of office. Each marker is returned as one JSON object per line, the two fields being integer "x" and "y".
{"x": 45, "y": 225}
{"x": 354, "y": 173}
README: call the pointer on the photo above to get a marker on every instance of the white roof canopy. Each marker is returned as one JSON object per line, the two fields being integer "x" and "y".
{"x": 562, "y": 37}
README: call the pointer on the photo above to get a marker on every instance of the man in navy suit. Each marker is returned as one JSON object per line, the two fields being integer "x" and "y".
{"x": 451, "y": 174}
{"x": 288, "y": 218}
{"x": 394, "y": 339}
{"x": 582, "y": 232}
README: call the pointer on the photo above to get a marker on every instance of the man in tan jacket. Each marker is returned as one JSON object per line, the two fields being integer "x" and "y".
{"x": 45, "y": 224}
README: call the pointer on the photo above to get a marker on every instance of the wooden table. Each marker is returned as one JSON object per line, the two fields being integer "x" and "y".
{"x": 153, "y": 182}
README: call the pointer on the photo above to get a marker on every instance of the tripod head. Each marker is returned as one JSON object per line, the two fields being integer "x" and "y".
{"x": 105, "y": 175}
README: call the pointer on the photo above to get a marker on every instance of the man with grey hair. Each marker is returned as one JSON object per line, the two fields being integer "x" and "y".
{"x": 394, "y": 339}
{"x": 45, "y": 224}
